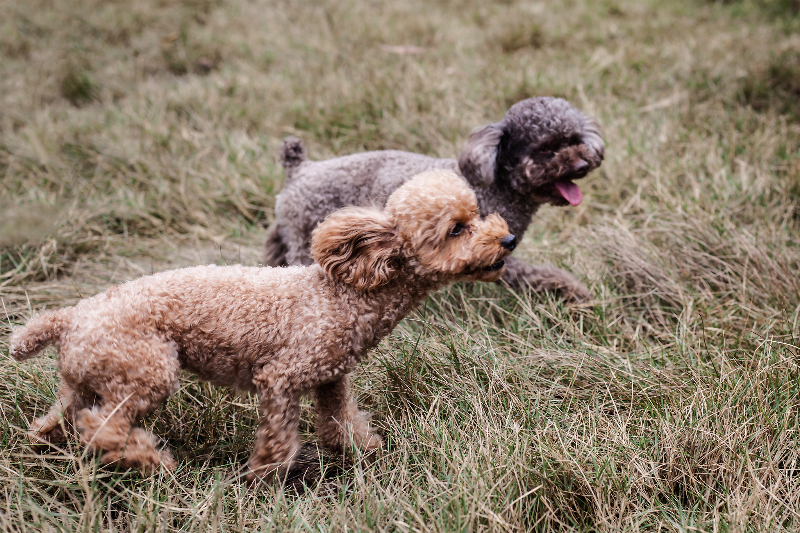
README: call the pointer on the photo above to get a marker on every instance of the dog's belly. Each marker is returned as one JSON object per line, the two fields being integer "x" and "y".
{"x": 217, "y": 362}
{"x": 242, "y": 362}
{"x": 220, "y": 370}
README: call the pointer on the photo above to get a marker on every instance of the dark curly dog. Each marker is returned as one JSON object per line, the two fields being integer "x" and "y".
{"x": 529, "y": 158}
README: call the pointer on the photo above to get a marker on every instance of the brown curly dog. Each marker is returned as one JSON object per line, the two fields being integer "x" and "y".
{"x": 279, "y": 332}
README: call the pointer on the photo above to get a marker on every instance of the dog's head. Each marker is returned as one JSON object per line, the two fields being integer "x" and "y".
{"x": 539, "y": 148}
{"x": 430, "y": 226}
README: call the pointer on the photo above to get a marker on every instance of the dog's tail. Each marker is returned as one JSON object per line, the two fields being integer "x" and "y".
{"x": 40, "y": 331}
{"x": 274, "y": 248}
{"x": 293, "y": 152}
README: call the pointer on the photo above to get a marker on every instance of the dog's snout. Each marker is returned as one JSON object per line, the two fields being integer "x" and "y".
{"x": 509, "y": 242}
{"x": 580, "y": 166}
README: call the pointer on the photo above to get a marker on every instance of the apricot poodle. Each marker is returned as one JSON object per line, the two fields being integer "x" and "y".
{"x": 529, "y": 158}
{"x": 279, "y": 332}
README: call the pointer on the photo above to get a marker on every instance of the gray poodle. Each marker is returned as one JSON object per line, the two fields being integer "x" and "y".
{"x": 529, "y": 158}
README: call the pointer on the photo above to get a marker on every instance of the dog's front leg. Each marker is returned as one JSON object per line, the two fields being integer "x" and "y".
{"x": 520, "y": 275}
{"x": 277, "y": 438}
{"x": 339, "y": 420}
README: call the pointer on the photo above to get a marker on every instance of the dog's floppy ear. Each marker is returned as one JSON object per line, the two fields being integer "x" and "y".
{"x": 356, "y": 245}
{"x": 477, "y": 159}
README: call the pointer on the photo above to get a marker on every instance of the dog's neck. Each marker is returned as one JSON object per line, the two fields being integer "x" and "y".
{"x": 380, "y": 309}
{"x": 517, "y": 209}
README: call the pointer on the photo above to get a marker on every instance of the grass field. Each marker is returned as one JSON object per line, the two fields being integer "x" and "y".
{"x": 142, "y": 135}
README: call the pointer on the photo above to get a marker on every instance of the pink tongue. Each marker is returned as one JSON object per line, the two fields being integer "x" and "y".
{"x": 571, "y": 192}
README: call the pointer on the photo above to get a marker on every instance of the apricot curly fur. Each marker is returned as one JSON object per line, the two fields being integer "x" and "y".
{"x": 278, "y": 332}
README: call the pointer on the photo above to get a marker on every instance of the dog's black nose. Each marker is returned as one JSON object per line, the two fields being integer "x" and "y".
{"x": 509, "y": 242}
{"x": 580, "y": 166}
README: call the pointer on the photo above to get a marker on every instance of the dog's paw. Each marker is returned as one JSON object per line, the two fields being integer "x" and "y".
{"x": 41, "y": 441}
{"x": 47, "y": 430}
{"x": 576, "y": 292}
{"x": 146, "y": 463}
{"x": 139, "y": 452}
{"x": 539, "y": 278}
{"x": 371, "y": 449}
{"x": 255, "y": 475}
{"x": 168, "y": 462}
{"x": 373, "y": 444}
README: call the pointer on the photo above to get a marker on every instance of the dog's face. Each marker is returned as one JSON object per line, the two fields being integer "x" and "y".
{"x": 430, "y": 224}
{"x": 539, "y": 149}
{"x": 441, "y": 233}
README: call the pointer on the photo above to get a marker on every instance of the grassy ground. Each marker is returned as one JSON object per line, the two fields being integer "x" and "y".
{"x": 138, "y": 136}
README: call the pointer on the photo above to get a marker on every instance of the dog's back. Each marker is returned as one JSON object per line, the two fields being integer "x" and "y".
{"x": 314, "y": 189}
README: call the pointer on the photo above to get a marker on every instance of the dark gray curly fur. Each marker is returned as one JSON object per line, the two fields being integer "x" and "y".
{"x": 513, "y": 166}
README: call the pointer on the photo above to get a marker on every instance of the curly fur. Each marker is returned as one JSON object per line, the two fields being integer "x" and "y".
{"x": 356, "y": 245}
{"x": 279, "y": 332}
{"x": 514, "y": 166}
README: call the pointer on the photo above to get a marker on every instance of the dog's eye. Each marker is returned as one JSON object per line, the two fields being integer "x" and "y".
{"x": 546, "y": 152}
{"x": 456, "y": 230}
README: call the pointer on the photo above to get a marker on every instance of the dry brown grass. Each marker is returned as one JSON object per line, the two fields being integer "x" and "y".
{"x": 140, "y": 136}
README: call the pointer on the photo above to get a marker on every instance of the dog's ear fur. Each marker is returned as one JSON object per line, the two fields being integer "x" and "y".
{"x": 356, "y": 245}
{"x": 477, "y": 159}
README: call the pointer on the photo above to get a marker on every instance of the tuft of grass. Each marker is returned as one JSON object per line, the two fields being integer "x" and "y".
{"x": 519, "y": 35}
{"x": 26, "y": 224}
{"x": 775, "y": 85}
{"x": 772, "y": 8}
{"x": 78, "y": 87}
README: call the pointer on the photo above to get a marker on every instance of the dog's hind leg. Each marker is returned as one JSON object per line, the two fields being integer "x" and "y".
{"x": 108, "y": 429}
{"x": 274, "y": 247}
{"x": 48, "y": 428}
{"x": 297, "y": 245}
{"x": 339, "y": 420}
{"x": 137, "y": 388}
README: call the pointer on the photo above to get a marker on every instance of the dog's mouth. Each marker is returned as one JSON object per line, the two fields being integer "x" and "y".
{"x": 494, "y": 267}
{"x": 569, "y": 191}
